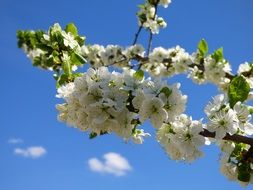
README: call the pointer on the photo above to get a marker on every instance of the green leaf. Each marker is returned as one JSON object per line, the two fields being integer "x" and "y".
{"x": 77, "y": 59}
{"x": 166, "y": 91}
{"x": 44, "y": 47}
{"x": 238, "y": 90}
{"x": 75, "y": 75}
{"x": 139, "y": 75}
{"x": 80, "y": 40}
{"x": 218, "y": 55}
{"x": 66, "y": 67}
{"x": 72, "y": 29}
{"x": 92, "y": 135}
{"x": 203, "y": 47}
{"x": 61, "y": 80}
{"x": 251, "y": 110}
{"x": 244, "y": 172}
{"x": 141, "y": 6}
{"x": 243, "y": 176}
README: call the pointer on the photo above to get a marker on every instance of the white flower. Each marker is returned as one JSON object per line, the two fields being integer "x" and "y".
{"x": 223, "y": 122}
{"x": 216, "y": 71}
{"x": 46, "y": 37}
{"x": 228, "y": 169}
{"x": 69, "y": 40}
{"x": 138, "y": 136}
{"x": 93, "y": 54}
{"x": 226, "y": 146}
{"x": 138, "y": 99}
{"x": 244, "y": 118}
{"x": 32, "y": 54}
{"x": 65, "y": 91}
{"x": 175, "y": 103}
{"x": 164, "y": 3}
{"x": 134, "y": 50}
{"x": 111, "y": 55}
{"x": 130, "y": 82}
{"x": 197, "y": 75}
{"x": 125, "y": 127}
{"x": 181, "y": 139}
{"x": 215, "y": 106}
{"x": 158, "y": 55}
{"x": 242, "y": 112}
{"x": 245, "y": 68}
{"x": 187, "y": 136}
{"x": 153, "y": 108}
{"x": 63, "y": 111}
{"x": 148, "y": 19}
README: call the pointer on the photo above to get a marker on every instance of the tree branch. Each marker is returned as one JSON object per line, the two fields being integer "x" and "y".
{"x": 149, "y": 41}
{"x": 234, "y": 138}
{"x": 150, "y": 32}
{"x": 137, "y": 34}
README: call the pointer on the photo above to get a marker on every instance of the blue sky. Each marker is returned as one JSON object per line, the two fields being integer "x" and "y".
{"x": 28, "y": 95}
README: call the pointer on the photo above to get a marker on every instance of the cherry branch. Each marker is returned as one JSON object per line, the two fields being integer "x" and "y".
{"x": 150, "y": 32}
{"x": 137, "y": 34}
{"x": 234, "y": 138}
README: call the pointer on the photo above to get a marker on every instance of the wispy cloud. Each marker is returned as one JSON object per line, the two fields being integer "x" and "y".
{"x": 113, "y": 163}
{"x": 15, "y": 141}
{"x": 31, "y": 152}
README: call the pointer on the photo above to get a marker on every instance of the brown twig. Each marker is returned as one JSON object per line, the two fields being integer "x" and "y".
{"x": 234, "y": 138}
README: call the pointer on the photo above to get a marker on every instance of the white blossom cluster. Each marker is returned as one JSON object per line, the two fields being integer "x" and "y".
{"x": 246, "y": 68}
{"x": 32, "y": 53}
{"x": 161, "y": 62}
{"x": 103, "y": 102}
{"x": 210, "y": 71}
{"x": 223, "y": 119}
{"x": 226, "y": 120}
{"x": 167, "y": 62}
{"x": 181, "y": 139}
{"x": 98, "y": 55}
{"x": 148, "y": 18}
{"x": 229, "y": 165}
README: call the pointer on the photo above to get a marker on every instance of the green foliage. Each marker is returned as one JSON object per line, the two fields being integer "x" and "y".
{"x": 218, "y": 55}
{"x": 244, "y": 171}
{"x": 72, "y": 29}
{"x": 153, "y": 2}
{"x": 29, "y": 38}
{"x": 139, "y": 75}
{"x": 94, "y": 135}
{"x": 166, "y": 91}
{"x": 237, "y": 157}
{"x": 77, "y": 59}
{"x": 203, "y": 47}
{"x": 238, "y": 90}
{"x": 51, "y": 51}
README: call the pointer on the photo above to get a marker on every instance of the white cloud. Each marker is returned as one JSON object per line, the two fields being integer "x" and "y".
{"x": 15, "y": 141}
{"x": 30, "y": 152}
{"x": 113, "y": 163}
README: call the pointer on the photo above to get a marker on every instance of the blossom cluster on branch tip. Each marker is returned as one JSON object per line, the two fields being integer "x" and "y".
{"x": 223, "y": 119}
{"x": 163, "y": 62}
{"x": 226, "y": 120}
{"x": 103, "y": 102}
{"x": 147, "y": 15}
{"x": 181, "y": 138}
